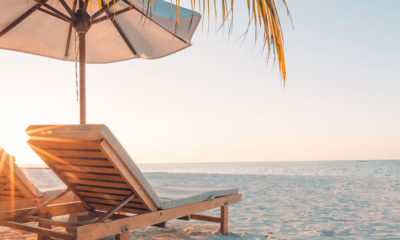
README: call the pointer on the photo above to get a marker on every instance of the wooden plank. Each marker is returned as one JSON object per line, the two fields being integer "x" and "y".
{"x": 205, "y": 218}
{"x": 53, "y": 210}
{"x": 39, "y": 230}
{"x": 49, "y": 221}
{"x": 104, "y": 196}
{"x": 72, "y": 168}
{"x": 114, "y": 202}
{"x": 103, "y": 190}
{"x": 67, "y": 133}
{"x": 9, "y": 192}
{"x": 88, "y": 162}
{"x": 224, "y": 220}
{"x": 10, "y": 198}
{"x": 127, "y": 175}
{"x": 20, "y": 204}
{"x": 99, "y": 230}
{"x": 128, "y": 210}
{"x": 97, "y": 183}
{"x": 76, "y": 153}
{"x": 4, "y": 180}
{"x": 63, "y": 145}
{"x": 91, "y": 176}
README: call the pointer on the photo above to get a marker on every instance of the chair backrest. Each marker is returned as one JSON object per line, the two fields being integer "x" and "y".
{"x": 94, "y": 165}
{"x": 14, "y": 185}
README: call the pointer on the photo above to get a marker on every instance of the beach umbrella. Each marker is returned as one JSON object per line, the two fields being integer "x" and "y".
{"x": 95, "y": 31}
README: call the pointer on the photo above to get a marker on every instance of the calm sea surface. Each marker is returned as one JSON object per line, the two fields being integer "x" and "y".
{"x": 387, "y": 168}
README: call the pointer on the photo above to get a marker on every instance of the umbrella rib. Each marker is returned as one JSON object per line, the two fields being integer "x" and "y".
{"x": 69, "y": 32}
{"x": 121, "y": 33}
{"x": 20, "y": 19}
{"x": 85, "y": 5}
{"x": 54, "y": 15}
{"x": 103, "y": 9}
{"x": 70, "y": 12}
{"x": 101, "y": 19}
{"x": 129, "y": 4}
{"x": 44, "y": 4}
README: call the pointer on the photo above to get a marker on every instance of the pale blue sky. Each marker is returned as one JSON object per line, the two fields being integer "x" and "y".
{"x": 219, "y": 101}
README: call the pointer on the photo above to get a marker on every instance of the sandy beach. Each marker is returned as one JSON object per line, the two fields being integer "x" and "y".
{"x": 279, "y": 207}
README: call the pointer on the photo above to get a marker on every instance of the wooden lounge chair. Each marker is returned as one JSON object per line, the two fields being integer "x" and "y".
{"x": 17, "y": 191}
{"x": 115, "y": 195}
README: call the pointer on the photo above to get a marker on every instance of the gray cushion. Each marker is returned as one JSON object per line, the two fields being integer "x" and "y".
{"x": 175, "y": 196}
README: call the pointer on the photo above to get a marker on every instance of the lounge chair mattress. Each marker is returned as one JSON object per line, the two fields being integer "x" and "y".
{"x": 175, "y": 196}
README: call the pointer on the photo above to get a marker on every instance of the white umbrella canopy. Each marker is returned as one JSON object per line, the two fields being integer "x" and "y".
{"x": 107, "y": 31}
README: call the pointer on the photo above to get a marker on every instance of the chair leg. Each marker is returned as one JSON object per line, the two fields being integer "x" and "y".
{"x": 224, "y": 220}
{"x": 122, "y": 236}
{"x": 44, "y": 225}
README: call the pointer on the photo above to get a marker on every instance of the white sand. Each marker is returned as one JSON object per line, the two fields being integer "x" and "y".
{"x": 283, "y": 207}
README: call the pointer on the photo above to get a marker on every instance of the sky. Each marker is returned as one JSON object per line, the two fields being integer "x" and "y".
{"x": 219, "y": 101}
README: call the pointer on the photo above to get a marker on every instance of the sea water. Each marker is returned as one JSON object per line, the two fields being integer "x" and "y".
{"x": 387, "y": 168}
{"x": 291, "y": 200}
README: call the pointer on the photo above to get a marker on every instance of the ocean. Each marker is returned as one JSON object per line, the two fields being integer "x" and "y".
{"x": 285, "y": 200}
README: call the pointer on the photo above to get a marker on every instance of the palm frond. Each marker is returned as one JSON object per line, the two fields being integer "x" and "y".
{"x": 263, "y": 13}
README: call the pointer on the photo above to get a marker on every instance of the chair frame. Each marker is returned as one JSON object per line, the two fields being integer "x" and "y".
{"x": 116, "y": 224}
{"x": 108, "y": 222}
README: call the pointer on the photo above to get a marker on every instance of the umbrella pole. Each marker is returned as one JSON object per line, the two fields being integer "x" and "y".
{"x": 82, "y": 76}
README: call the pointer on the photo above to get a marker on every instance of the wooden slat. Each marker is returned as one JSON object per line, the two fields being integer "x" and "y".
{"x": 4, "y": 179}
{"x": 38, "y": 230}
{"x": 47, "y": 221}
{"x": 76, "y": 153}
{"x": 63, "y": 145}
{"x": 8, "y": 191}
{"x": 114, "y": 202}
{"x": 80, "y": 175}
{"x": 108, "y": 208}
{"x": 103, "y": 190}
{"x": 104, "y": 196}
{"x": 5, "y": 194}
{"x": 85, "y": 169}
{"x": 98, "y": 183}
{"x": 10, "y": 198}
{"x": 54, "y": 210}
{"x": 97, "y": 230}
{"x": 88, "y": 162}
